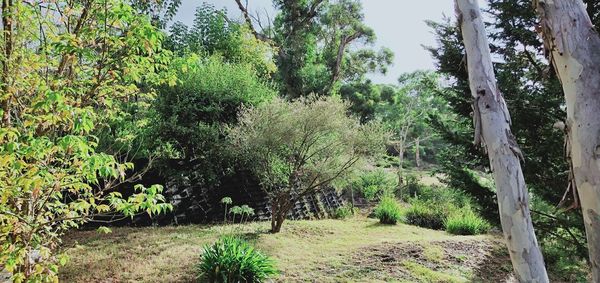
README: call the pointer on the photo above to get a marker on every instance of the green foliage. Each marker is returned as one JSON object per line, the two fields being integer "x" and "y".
{"x": 526, "y": 85}
{"x": 344, "y": 212}
{"x": 428, "y": 214}
{"x": 317, "y": 43}
{"x": 374, "y": 184}
{"x": 437, "y": 194}
{"x": 243, "y": 211}
{"x": 58, "y": 92}
{"x": 388, "y": 210}
{"x": 297, "y": 148}
{"x": 191, "y": 115}
{"x": 564, "y": 265}
{"x": 214, "y": 33}
{"x": 232, "y": 259}
{"x": 466, "y": 222}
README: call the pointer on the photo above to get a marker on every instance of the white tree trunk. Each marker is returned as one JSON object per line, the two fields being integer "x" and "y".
{"x": 575, "y": 54}
{"x": 492, "y": 129}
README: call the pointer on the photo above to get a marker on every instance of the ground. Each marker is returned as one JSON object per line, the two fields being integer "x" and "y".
{"x": 352, "y": 250}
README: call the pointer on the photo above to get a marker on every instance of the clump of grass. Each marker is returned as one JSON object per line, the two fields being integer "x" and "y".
{"x": 428, "y": 214}
{"x": 232, "y": 259}
{"x": 466, "y": 222}
{"x": 388, "y": 211}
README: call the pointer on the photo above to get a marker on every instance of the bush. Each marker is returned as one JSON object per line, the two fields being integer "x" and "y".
{"x": 374, "y": 184}
{"x": 428, "y": 214}
{"x": 466, "y": 222}
{"x": 388, "y": 211}
{"x": 232, "y": 259}
{"x": 344, "y": 212}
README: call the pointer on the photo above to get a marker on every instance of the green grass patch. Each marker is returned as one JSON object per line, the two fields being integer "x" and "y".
{"x": 425, "y": 274}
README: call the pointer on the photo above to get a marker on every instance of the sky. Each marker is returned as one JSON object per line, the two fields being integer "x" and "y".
{"x": 398, "y": 24}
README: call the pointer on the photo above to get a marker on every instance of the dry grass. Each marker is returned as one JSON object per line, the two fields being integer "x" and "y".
{"x": 317, "y": 251}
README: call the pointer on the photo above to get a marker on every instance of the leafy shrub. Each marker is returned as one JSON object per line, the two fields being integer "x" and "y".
{"x": 428, "y": 214}
{"x": 435, "y": 193}
{"x": 344, "y": 212}
{"x": 310, "y": 136}
{"x": 375, "y": 184}
{"x": 232, "y": 259}
{"x": 388, "y": 211}
{"x": 466, "y": 222}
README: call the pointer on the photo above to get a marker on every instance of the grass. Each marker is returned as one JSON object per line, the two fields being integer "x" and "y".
{"x": 352, "y": 250}
{"x": 425, "y": 274}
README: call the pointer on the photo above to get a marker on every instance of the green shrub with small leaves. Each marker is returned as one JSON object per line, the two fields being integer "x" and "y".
{"x": 466, "y": 222}
{"x": 388, "y": 211}
{"x": 232, "y": 259}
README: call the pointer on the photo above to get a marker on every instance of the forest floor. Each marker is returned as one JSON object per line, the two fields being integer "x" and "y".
{"x": 353, "y": 250}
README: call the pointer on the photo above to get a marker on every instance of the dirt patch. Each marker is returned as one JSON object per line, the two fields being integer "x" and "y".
{"x": 448, "y": 261}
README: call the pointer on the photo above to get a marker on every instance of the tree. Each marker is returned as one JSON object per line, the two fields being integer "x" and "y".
{"x": 314, "y": 41}
{"x": 64, "y": 65}
{"x": 298, "y": 148}
{"x": 492, "y": 129}
{"x": 534, "y": 96}
{"x": 214, "y": 33}
{"x": 573, "y": 44}
{"x": 405, "y": 112}
{"x": 190, "y": 115}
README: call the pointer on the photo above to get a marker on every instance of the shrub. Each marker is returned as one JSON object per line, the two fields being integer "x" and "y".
{"x": 466, "y": 222}
{"x": 428, "y": 214}
{"x": 283, "y": 143}
{"x": 388, "y": 211}
{"x": 344, "y": 212}
{"x": 232, "y": 259}
{"x": 374, "y": 184}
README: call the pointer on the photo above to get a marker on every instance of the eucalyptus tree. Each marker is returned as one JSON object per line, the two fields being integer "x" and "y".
{"x": 573, "y": 46}
{"x": 492, "y": 130}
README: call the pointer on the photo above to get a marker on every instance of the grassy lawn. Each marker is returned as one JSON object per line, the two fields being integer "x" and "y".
{"x": 353, "y": 250}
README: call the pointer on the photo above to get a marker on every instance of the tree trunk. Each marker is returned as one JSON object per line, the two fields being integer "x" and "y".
{"x": 280, "y": 206}
{"x": 400, "y": 150}
{"x": 417, "y": 149}
{"x": 574, "y": 47}
{"x": 492, "y": 129}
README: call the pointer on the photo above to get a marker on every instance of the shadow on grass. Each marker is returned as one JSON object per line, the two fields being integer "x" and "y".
{"x": 379, "y": 224}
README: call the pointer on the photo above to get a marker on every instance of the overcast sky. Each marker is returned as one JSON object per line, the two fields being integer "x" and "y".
{"x": 398, "y": 24}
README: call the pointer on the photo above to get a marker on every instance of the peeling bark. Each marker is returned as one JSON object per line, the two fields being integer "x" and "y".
{"x": 492, "y": 130}
{"x": 574, "y": 50}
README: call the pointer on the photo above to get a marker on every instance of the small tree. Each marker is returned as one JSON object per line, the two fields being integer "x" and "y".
{"x": 65, "y": 64}
{"x": 297, "y": 148}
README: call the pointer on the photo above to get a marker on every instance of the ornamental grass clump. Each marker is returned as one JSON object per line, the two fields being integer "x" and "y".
{"x": 388, "y": 211}
{"x": 232, "y": 259}
{"x": 466, "y": 222}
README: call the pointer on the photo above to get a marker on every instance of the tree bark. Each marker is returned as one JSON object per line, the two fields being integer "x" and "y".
{"x": 280, "y": 206}
{"x": 417, "y": 153}
{"x": 400, "y": 150}
{"x": 574, "y": 47}
{"x": 492, "y": 129}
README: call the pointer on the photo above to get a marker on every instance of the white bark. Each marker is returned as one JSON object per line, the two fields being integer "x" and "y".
{"x": 574, "y": 47}
{"x": 492, "y": 129}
